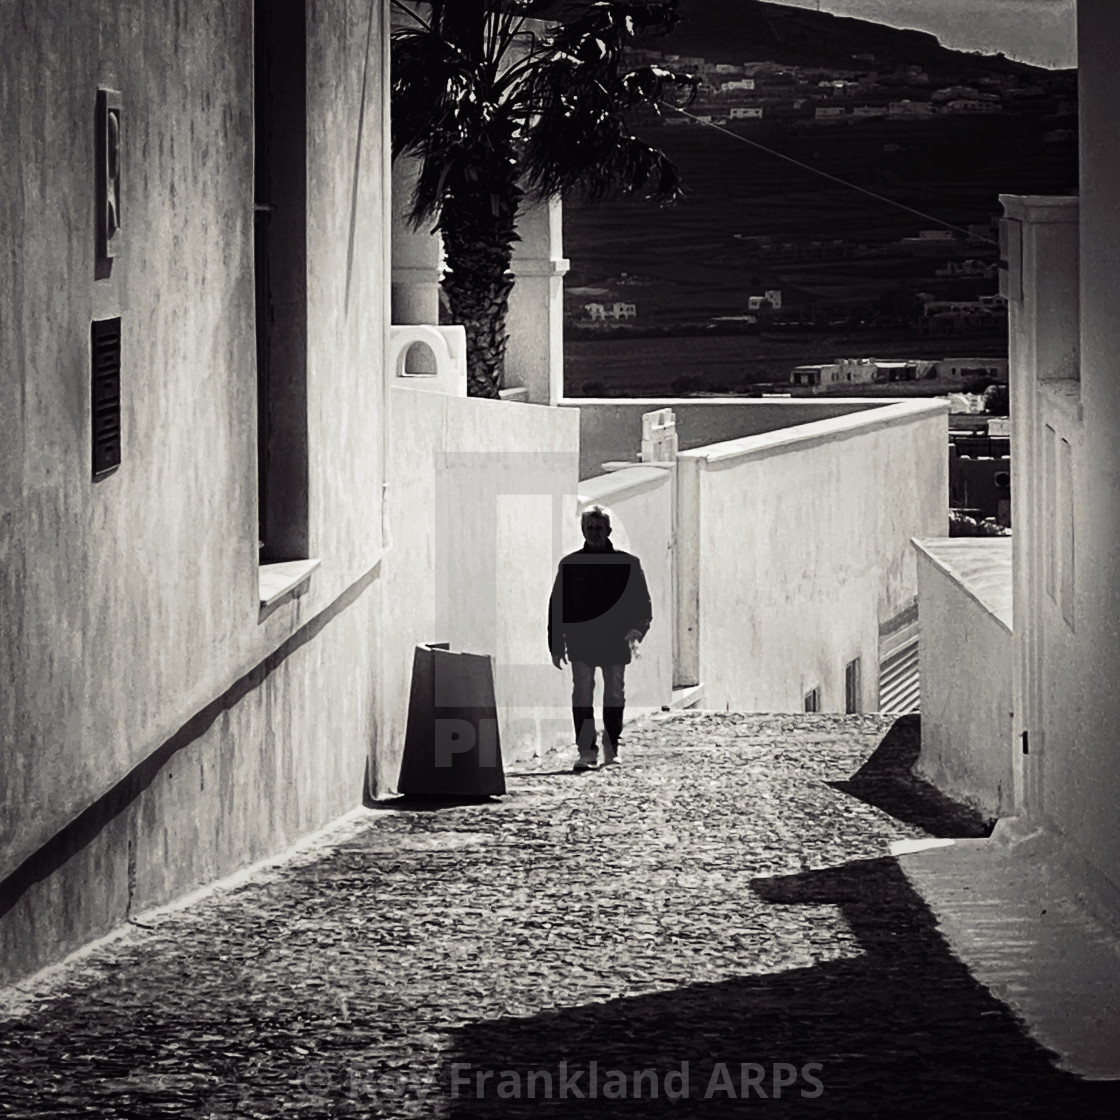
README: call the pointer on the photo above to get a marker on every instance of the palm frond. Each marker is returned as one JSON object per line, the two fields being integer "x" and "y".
{"x": 601, "y": 157}
{"x": 444, "y": 104}
{"x": 653, "y": 85}
{"x": 410, "y": 11}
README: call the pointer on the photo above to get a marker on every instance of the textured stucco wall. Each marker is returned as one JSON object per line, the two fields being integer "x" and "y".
{"x": 641, "y": 503}
{"x": 348, "y": 251}
{"x": 120, "y": 590}
{"x": 965, "y": 665}
{"x": 130, "y": 606}
{"x": 475, "y": 542}
{"x": 278, "y": 755}
{"x": 1081, "y": 775}
{"x": 803, "y": 541}
{"x": 611, "y": 431}
{"x": 1042, "y": 284}
{"x": 1067, "y": 745}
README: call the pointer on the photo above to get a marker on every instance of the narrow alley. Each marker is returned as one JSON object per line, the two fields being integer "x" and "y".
{"x": 715, "y": 925}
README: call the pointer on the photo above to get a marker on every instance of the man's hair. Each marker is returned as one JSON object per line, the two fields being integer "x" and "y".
{"x": 595, "y": 513}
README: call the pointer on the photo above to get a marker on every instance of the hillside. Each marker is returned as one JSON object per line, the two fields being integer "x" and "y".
{"x": 752, "y": 30}
{"x": 850, "y": 203}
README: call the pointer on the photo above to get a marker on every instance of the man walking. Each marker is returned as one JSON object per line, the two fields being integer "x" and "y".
{"x": 598, "y": 613}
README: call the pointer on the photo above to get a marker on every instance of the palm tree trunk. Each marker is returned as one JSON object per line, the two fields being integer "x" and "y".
{"x": 478, "y": 227}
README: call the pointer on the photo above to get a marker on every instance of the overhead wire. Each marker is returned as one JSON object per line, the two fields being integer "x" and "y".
{"x": 828, "y": 175}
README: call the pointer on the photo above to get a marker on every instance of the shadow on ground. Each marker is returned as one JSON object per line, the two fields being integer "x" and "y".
{"x": 887, "y": 781}
{"x": 430, "y": 803}
{"x": 900, "y": 1029}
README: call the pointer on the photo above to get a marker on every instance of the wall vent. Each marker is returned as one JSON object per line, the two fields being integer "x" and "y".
{"x": 853, "y": 687}
{"x": 899, "y": 684}
{"x": 105, "y": 394}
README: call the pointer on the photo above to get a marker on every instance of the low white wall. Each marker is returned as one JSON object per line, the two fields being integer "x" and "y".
{"x": 794, "y": 547}
{"x": 965, "y": 658}
{"x": 611, "y": 430}
{"x": 641, "y": 503}
{"x": 483, "y": 502}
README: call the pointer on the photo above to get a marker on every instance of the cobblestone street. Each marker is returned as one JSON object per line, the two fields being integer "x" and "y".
{"x": 721, "y": 910}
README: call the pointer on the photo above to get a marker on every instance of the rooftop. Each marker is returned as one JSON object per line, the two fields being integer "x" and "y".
{"x": 981, "y": 565}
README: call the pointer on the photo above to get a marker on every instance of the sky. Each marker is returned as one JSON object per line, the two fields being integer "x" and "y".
{"x": 1037, "y": 31}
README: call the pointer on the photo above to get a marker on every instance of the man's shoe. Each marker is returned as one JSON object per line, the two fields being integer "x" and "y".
{"x": 587, "y": 760}
{"x": 610, "y": 754}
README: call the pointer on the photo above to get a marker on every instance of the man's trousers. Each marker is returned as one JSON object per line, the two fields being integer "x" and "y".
{"x": 583, "y": 703}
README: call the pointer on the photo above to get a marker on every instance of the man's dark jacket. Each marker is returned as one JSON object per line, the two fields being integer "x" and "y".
{"x": 597, "y": 599}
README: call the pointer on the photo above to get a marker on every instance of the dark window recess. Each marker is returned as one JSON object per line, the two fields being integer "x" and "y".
{"x": 853, "y": 687}
{"x": 105, "y": 394}
{"x": 813, "y": 700}
{"x": 280, "y": 259}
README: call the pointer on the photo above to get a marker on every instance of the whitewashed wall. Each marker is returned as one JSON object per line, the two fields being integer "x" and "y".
{"x": 964, "y": 603}
{"x": 480, "y": 494}
{"x": 794, "y": 548}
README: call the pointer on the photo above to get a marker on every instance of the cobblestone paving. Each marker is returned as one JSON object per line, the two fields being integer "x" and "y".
{"x": 713, "y": 911}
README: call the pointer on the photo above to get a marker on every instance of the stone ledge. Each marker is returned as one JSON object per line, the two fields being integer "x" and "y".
{"x": 277, "y": 580}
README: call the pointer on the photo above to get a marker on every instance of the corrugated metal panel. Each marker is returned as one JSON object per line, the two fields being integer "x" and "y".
{"x": 899, "y": 686}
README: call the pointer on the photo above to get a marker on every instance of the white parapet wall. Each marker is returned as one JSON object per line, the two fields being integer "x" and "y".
{"x": 611, "y": 428}
{"x": 483, "y": 504}
{"x": 794, "y": 547}
{"x": 964, "y": 604}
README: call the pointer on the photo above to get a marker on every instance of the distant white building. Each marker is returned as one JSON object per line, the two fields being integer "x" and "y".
{"x": 829, "y": 112}
{"x": 746, "y": 84}
{"x": 894, "y": 370}
{"x": 980, "y": 270}
{"x": 746, "y": 113}
{"x": 969, "y": 105}
{"x": 856, "y": 371}
{"x": 843, "y": 371}
{"x": 907, "y": 108}
{"x": 966, "y": 368}
{"x": 811, "y": 376}
{"x": 950, "y": 93}
{"x": 616, "y": 312}
{"x": 962, "y": 316}
{"x": 985, "y": 305}
{"x": 772, "y": 297}
{"x": 934, "y": 241}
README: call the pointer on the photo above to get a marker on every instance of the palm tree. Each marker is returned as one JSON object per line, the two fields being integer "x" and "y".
{"x": 498, "y": 111}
